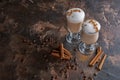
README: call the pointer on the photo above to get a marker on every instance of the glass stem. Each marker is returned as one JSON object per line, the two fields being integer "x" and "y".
{"x": 71, "y": 34}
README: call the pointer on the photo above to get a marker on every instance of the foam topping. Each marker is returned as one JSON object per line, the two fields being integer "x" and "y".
{"x": 91, "y": 26}
{"x": 75, "y": 15}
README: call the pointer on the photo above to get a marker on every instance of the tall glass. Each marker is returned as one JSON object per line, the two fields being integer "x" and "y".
{"x": 89, "y": 36}
{"x": 75, "y": 18}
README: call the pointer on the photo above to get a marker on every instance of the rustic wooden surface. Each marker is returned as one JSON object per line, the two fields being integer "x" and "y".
{"x": 30, "y": 29}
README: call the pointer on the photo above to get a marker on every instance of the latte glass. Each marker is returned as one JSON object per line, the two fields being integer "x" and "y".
{"x": 89, "y": 36}
{"x": 75, "y": 18}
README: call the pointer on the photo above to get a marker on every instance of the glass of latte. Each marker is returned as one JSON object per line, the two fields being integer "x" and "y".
{"x": 89, "y": 36}
{"x": 75, "y": 18}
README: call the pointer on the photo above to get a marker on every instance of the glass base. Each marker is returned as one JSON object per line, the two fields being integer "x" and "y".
{"x": 86, "y": 49}
{"x": 73, "y": 38}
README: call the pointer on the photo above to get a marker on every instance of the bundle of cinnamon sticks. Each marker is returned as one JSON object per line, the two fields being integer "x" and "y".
{"x": 98, "y": 58}
{"x": 62, "y": 53}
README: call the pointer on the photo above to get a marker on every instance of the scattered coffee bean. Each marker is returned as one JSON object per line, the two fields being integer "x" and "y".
{"x": 95, "y": 74}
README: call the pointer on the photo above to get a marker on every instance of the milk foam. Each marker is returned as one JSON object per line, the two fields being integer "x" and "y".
{"x": 77, "y": 15}
{"x": 91, "y": 26}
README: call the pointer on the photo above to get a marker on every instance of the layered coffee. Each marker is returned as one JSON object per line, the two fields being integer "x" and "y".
{"x": 90, "y": 32}
{"x": 75, "y": 18}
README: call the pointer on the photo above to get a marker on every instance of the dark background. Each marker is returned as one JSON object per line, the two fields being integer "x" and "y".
{"x": 22, "y": 56}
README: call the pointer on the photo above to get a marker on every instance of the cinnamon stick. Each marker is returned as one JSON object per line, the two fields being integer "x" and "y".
{"x": 66, "y": 57}
{"x": 61, "y": 50}
{"x": 98, "y": 57}
{"x": 55, "y": 55}
{"x": 63, "y": 53}
{"x": 102, "y": 62}
{"x": 55, "y": 51}
{"x": 67, "y": 53}
{"x": 95, "y": 59}
{"x": 58, "y": 56}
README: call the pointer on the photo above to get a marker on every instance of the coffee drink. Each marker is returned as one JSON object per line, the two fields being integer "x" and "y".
{"x": 90, "y": 31}
{"x": 75, "y": 18}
